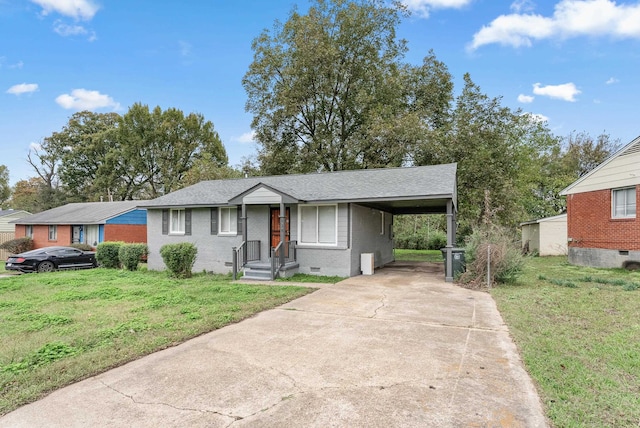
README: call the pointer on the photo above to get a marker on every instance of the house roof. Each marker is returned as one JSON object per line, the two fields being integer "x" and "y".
{"x": 546, "y": 219}
{"x": 4, "y": 213}
{"x": 630, "y": 148}
{"x": 80, "y": 213}
{"x": 399, "y": 190}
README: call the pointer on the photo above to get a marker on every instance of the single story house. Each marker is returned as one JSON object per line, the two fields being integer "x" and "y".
{"x": 602, "y": 215}
{"x": 320, "y": 223}
{"x": 85, "y": 223}
{"x": 545, "y": 236}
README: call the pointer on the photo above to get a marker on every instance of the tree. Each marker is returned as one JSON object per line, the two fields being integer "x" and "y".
{"x": 328, "y": 90}
{"x": 34, "y": 195}
{"x": 5, "y": 189}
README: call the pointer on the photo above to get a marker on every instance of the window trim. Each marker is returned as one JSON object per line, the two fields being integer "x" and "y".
{"x": 181, "y": 220}
{"x": 28, "y": 230}
{"x": 53, "y": 228}
{"x": 613, "y": 203}
{"x": 382, "y": 228}
{"x": 317, "y": 244}
{"x": 233, "y": 217}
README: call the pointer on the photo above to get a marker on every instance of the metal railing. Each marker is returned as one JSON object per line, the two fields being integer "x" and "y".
{"x": 252, "y": 250}
{"x": 283, "y": 253}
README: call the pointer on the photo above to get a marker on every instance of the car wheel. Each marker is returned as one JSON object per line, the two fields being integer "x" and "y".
{"x": 46, "y": 267}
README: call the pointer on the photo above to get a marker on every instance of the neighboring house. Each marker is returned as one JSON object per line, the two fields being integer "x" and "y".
{"x": 545, "y": 236}
{"x": 319, "y": 223}
{"x": 603, "y": 224}
{"x": 86, "y": 223}
{"x": 7, "y": 230}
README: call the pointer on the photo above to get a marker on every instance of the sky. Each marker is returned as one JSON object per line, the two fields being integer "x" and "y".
{"x": 573, "y": 63}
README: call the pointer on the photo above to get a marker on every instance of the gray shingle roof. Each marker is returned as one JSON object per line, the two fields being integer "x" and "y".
{"x": 80, "y": 213}
{"x": 426, "y": 182}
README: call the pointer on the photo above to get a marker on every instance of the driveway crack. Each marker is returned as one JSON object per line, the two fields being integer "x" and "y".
{"x": 186, "y": 409}
{"x": 383, "y": 303}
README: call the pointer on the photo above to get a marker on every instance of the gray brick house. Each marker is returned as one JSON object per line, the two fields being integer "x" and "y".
{"x": 313, "y": 223}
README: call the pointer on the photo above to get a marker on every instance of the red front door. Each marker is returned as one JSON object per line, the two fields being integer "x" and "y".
{"x": 275, "y": 226}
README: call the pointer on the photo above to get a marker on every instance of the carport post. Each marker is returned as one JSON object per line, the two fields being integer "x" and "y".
{"x": 448, "y": 269}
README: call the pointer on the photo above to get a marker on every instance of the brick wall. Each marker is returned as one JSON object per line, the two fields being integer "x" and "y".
{"x": 41, "y": 235}
{"x": 125, "y": 232}
{"x": 590, "y": 224}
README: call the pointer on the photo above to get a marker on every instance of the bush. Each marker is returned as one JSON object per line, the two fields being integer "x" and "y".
{"x": 436, "y": 241}
{"x": 130, "y": 255}
{"x": 83, "y": 247}
{"x": 179, "y": 258}
{"x": 505, "y": 261}
{"x": 19, "y": 245}
{"x": 107, "y": 254}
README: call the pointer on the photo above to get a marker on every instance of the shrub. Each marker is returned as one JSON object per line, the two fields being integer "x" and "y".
{"x": 179, "y": 258}
{"x": 18, "y": 245}
{"x": 107, "y": 254}
{"x": 496, "y": 246}
{"x": 436, "y": 241}
{"x": 83, "y": 247}
{"x": 130, "y": 255}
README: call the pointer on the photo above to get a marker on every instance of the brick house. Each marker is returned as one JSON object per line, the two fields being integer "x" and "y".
{"x": 603, "y": 225}
{"x": 86, "y": 223}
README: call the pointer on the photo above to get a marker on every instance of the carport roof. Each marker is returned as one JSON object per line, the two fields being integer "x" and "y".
{"x": 422, "y": 189}
{"x": 80, "y": 213}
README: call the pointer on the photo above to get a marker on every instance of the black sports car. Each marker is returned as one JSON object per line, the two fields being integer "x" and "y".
{"x": 48, "y": 259}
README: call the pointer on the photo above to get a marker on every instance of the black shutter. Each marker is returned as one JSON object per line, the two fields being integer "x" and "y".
{"x": 165, "y": 222}
{"x": 239, "y": 224}
{"x": 214, "y": 221}
{"x": 187, "y": 221}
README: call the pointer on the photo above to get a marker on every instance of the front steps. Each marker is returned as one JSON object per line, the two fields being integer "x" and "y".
{"x": 261, "y": 271}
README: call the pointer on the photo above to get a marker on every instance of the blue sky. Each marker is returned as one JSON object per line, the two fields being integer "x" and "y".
{"x": 575, "y": 63}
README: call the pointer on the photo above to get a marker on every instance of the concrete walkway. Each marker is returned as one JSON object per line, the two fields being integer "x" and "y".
{"x": 397, "y": 349}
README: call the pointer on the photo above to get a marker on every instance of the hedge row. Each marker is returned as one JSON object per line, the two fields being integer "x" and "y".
{"x": 118, "y": 254}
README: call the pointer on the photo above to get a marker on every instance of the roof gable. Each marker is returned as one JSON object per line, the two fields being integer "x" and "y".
{"x": 620, "y": 170}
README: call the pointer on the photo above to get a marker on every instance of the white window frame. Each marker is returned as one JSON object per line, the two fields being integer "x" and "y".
{"x": 180, "y": 212}
{"x": 28, "y": 231}
{"x": 317, "y": 243}
{"x": 232, "y": 214}
{"x": 614, "y": 198}
{"x": 53, "y": 232}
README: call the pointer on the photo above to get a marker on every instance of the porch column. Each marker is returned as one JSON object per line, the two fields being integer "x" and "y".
{"x": 451, "y": 237}
{"x": 283, "y": 232}
{"x": 244, "y": 232}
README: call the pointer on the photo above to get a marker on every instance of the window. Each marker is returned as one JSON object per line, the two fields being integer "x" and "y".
{"x": 624, "y": 203}
{"x": 28, "y": 231}
{"x": 318, "y": 224}
{"x": 228, "y": 220}
{"x": 382, "y": 223}
{"x": 177, "y": 221}
{"x": 53, "y": 233}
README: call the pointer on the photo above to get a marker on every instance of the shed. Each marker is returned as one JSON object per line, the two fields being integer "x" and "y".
{"x": 546, "y": 236}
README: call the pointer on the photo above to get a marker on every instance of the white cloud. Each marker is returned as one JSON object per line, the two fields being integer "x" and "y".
{"x": 82, "y": 99}
{"x": 525, "y": 99}
{"x": 35, "y": 146}
{"x": 23, "y": 88}
{"x": 66, "y": 30}
{"x": 423, "y": 7}
{"x": 571, "y": 18}
{"x": 536, "y": 117}
{"x": 565, "y": 91}
{"x": 611, "y": 81}
{"x": 520, "y": 6}
{"x": 185, "y": 48}
{"x": 246, "y": 138}
{"x": 77, "y": 9}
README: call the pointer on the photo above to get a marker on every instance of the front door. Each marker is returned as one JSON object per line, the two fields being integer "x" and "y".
{"x": 275, "y": 227}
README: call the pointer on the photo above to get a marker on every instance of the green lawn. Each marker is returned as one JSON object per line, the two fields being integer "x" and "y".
{"x": 61, "y": 327}
{"x": 578, "y": 331}
{"x": 418, "y": 255}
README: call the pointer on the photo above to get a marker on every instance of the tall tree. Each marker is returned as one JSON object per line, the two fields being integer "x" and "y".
{"x": 328, "y": 90}
{"x": 5, "y": 189}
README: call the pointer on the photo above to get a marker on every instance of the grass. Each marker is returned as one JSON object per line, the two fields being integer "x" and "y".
{"x": 61, "y": 327}
{"x": 306, "y": 278}
{"x": 578, "y": 331}
{"x": 418, "y": 255}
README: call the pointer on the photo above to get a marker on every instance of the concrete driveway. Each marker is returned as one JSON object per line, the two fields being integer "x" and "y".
{"x": 401, "y": 348}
